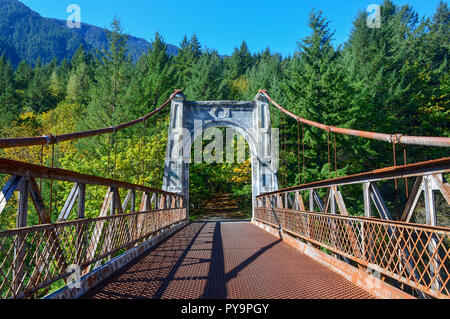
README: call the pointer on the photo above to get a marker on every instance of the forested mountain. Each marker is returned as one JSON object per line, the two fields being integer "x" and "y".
{"x": 394, "y": 79}
{"x": 27, "y": 36}
{"x": 96, "y": 37}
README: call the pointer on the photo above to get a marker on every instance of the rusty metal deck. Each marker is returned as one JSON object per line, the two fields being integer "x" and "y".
{"x": 234, "y": 260}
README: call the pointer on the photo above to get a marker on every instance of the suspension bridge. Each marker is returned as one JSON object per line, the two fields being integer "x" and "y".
{"x": 298, "y": 244}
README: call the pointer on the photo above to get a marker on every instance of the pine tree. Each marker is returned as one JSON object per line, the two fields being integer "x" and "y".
{"x": 312, "y": 87}
{"x": 79, "y": 85}
{"x": 9, "y": 100}
{"x": 38, "y": 97}
{"x": 207, "y": 79}
{"x": 157, "y": 81}
{"x": 267, "y": 74}
{"x": 188, "y": 55}
{"x": 6, "y": 73}
{"x": 239, "y": 62}
{"x": 235, "y": 68}
{"x": 109, "y": 104}
{"x": 23, "y": 75}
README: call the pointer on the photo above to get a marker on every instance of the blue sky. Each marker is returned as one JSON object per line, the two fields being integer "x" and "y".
{"x": 222, "y": 25}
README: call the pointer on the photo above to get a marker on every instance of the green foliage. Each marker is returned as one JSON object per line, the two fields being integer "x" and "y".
{"x": 207, "y": 78}
{"x": 156, "y": 77}
{"x": 187, "y": 57}
{"x": 392, "y": 80}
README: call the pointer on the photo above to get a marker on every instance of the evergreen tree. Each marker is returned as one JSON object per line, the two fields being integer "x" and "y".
{"x": 158, "y": 76}
{"x": 188, "y": 55}
{"x": 239, "y": 62}
{"x": 38, "y": 97}
{"x": 9, "y": 100}
{"x": 79, "y": 85}
{"x": 266, "y": 74}
{"x": 312, "y": 88}
{"x": 109, "y": 103}
{"x": 207, "y": 79}
{"x": 6, "y": 73}
{"x": 235, "y": 68}
{"x": 23, "y": 75}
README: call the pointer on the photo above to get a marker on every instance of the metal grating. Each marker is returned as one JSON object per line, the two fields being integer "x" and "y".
{"x": 234, "y": 260}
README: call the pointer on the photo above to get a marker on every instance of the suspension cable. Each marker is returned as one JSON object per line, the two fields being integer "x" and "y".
{"x": 403, "y": 139}
{"x": 43, "y": 140}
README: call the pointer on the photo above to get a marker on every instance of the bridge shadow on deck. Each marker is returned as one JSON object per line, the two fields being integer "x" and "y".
{"x": 234, "y": 260}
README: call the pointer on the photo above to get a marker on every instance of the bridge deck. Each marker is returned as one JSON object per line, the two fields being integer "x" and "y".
{"x": 233, "y": 260}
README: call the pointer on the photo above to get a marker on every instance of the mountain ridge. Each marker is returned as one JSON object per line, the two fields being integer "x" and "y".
{"x": 26, "y": 35}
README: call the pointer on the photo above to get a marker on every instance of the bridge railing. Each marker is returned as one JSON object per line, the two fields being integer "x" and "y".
{"x": 414, "y": 255}
{"x": 38, "y": 259}
{"x": 33, "y": 258}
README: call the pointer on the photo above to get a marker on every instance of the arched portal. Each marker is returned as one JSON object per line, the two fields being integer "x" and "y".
{"x": 251, "y": 119}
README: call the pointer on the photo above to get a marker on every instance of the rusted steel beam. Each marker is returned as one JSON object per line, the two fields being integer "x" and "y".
{"x": 25, "y": 169}
{"x": 133, "y": 201}
{"x": 339, "y": 200}
{"x": 53, "y": 139}
{"x": 417, "y": 169}
{"x": 367, "y": 203}
{"x": 390, "y": 138}
{"x": 379, "y": 202}
{"x": 299, "y": 201}
{"x": 81, "y": 238}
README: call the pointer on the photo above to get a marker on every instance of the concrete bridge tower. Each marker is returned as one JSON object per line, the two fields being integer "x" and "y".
{"x": 251, "y": 119}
